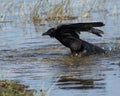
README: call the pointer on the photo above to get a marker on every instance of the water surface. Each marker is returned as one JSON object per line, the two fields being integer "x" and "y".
{"x": 43, "y": 63}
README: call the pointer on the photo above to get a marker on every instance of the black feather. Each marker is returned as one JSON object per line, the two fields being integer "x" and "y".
{"x": 68, "y": 35}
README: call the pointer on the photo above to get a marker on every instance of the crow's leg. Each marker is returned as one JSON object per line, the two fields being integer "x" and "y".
{"x": 74, "y": 53}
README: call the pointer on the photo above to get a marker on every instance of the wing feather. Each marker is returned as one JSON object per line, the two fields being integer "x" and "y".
{"x": 77, "y": 27}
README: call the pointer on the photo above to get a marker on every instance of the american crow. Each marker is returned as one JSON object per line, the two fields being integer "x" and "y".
{"x": 68, "y": 35}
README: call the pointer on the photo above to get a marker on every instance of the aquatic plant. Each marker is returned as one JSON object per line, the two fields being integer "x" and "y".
{"x": 8, "y": 88}
{"x": 57, "y": 10}
{"x": 46, "y": 11}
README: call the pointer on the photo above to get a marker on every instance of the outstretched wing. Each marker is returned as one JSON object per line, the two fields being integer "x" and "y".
{"x": 77, "y": 27}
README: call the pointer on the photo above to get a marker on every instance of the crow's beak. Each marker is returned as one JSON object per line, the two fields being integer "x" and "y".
{"x": 44, "y": 34}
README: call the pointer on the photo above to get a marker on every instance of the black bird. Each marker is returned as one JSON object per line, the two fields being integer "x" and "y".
{"x": 68, "y": 35}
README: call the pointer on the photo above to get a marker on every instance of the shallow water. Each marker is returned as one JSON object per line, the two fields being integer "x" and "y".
{"x": 43, "y": 63}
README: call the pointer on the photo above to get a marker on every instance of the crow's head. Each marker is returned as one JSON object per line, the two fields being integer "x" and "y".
{"x": 50, "y": 32}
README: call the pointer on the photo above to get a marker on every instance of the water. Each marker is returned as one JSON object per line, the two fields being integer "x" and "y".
{"x": 43, "y": 63}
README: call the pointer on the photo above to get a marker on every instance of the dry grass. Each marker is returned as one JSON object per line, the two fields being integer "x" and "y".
{"x": 44, "y": 10}
{"x": 57, "y": 12}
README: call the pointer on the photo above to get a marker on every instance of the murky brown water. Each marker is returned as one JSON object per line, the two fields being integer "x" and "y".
{"x": 43, "y": 63}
